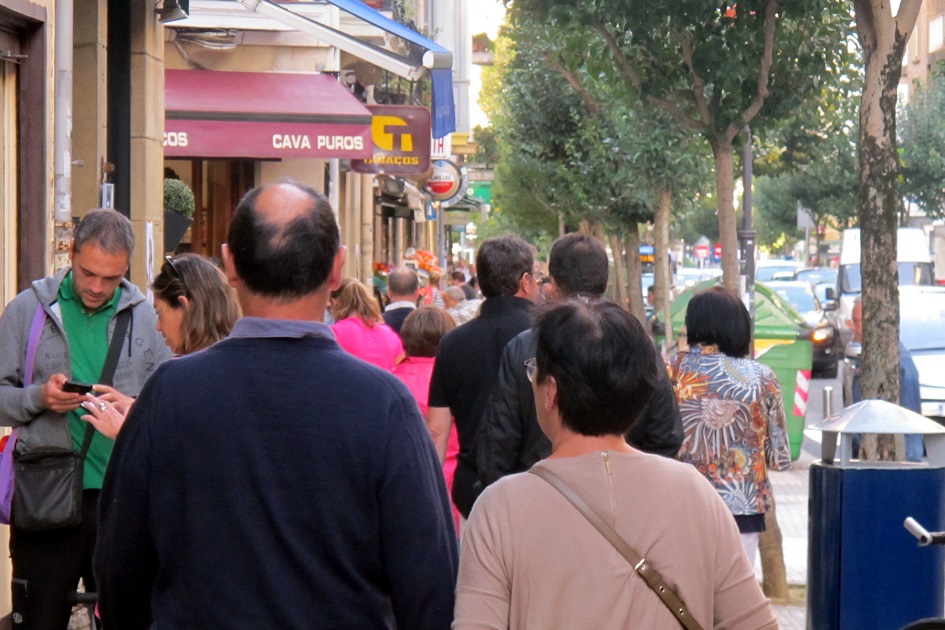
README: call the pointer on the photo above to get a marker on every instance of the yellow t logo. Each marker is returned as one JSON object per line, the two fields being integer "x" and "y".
{"x": 385, "y": 139}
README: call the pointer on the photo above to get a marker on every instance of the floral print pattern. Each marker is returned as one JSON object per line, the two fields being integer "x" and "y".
{"x": 733, "y": 420}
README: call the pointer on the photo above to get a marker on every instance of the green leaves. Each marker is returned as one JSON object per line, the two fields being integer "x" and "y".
{"x": 921, "y": 127}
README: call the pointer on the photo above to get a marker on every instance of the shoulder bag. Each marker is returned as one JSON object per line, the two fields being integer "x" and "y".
{"x": 48, "y": 481}
{"x": 643, "y": 568}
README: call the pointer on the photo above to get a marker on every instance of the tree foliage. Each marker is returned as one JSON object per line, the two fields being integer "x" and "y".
{"x": 709, "y": 66}
{"x": 921, "y": 126}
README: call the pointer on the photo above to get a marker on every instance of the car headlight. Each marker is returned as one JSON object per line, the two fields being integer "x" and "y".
{"x": 822, "y": 334}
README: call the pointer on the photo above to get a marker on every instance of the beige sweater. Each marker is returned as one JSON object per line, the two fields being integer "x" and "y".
{"x": 530, "y": 560}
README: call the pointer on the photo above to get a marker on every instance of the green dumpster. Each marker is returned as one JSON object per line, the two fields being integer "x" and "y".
{"x": 782, "y": 342}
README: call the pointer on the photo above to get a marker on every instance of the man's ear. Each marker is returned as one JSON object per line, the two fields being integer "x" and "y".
{"x": 229, "y": 267}
{"x": 337, "y": 270}
{"x": 71, "y": 249}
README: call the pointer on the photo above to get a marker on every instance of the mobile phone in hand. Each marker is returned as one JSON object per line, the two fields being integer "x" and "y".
{"x": 75, "y": 387}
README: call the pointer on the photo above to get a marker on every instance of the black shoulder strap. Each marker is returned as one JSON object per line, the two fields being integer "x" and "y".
{"x": 114, "y": 347}
{"x": 108, "y": 370}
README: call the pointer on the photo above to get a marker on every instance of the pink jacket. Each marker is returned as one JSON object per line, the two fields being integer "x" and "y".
{"x": 416, "y": 372}
{"x": 378, "y": 344}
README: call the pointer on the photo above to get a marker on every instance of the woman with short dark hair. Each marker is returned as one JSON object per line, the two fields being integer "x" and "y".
{"x": 731, "y": 409}
{"x": 530, "y": 559}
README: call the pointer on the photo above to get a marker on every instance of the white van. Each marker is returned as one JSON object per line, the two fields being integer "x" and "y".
{"x": 915, "y": 268}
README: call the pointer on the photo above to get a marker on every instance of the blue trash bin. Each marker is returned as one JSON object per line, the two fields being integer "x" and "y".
{"x": 864, "y": 569}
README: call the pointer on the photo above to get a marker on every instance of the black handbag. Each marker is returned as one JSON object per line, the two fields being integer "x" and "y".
{"x": 48, "y": 481}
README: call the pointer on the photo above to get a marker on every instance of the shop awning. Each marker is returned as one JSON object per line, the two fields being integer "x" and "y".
{"x": 415, "y": 57}
{"x": 262, "y": 115}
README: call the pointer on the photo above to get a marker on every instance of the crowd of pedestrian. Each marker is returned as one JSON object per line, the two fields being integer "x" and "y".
{"x": 308, "y": 458}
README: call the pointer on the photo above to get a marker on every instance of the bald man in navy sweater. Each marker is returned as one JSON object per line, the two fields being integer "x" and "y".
{"x": 273, "y": 480}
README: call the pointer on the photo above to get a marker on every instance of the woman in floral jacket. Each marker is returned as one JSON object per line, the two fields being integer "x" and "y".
{"x": 731, "y": 408}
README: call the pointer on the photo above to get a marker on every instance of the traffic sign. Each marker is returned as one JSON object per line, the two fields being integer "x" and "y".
{"x": 701, "y": 251}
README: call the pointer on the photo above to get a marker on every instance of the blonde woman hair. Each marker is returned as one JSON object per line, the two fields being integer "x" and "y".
{"x": 354, "y": 300}
{"x": 212, "y": 308}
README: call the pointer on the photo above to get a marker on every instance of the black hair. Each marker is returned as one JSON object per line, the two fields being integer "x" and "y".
{"x": 284, "y": 261}
{"x": 602, "y": 360}
{"x": 578, "y": 263}
{"x": 500, "y": 263}
{"x": 717, "y": 317}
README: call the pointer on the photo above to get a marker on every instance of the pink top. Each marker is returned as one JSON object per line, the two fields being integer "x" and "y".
{"x": 378, "y": 344}
{"x": 416, "y": 372}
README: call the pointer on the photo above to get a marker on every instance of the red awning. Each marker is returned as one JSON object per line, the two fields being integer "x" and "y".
{"x": 262, "y": 115}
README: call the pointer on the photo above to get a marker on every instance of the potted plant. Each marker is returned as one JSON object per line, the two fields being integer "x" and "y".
{"x": 178, "y": 212}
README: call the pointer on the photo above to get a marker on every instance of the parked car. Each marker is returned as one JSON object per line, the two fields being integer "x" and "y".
{"x": 690, "y": 276}
{"x": 817, "y": 275}
{"x": 824, "y": 335}
{"x": 922, "y": 332}
{"x": 768, "y": 270}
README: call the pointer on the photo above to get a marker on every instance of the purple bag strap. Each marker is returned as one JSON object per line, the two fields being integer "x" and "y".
{"x": 31, "y": 344}
{"x": 6, "y": 458}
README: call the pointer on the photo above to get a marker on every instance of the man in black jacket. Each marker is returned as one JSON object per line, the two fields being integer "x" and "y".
{"x": 510, "y": 439}
{"x": 467, "y": 359}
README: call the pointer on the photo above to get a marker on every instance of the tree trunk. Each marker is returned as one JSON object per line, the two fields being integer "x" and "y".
{"x": 883, "y": 41}
{"x": 728, "y": 231}
{"x": 661, "y": 267}
{"x": 773, "y": 574}
{"x": 620, "y": 278}
{"x": 634, "y": 274}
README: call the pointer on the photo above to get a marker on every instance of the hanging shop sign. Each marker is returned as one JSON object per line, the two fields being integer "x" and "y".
{"x": 401, "y": 137}
{"x": 447, "y": 182}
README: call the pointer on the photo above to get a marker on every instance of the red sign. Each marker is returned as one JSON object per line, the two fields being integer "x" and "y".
{"x": 718, "y": 250}
{"x": 701, "y": 251}
{"x": 446, "y": 182}
{"x": 401, "y": 136}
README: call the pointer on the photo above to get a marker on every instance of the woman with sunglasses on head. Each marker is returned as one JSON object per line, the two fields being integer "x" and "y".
{"x": 531, "y": 559}
{"x": 195, "y": 308}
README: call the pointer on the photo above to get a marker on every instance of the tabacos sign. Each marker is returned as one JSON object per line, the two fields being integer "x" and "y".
{"x": 401, "y": 137}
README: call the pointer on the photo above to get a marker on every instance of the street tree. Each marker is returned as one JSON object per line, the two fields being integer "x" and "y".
{"x": 710, "y": 67}
{"x": 883, "y": 37}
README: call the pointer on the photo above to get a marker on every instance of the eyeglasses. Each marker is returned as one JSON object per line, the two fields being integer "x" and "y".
{"x": 174, "y": 271}
{"x": 530, "y": 367}
{"x": 538, "y": 276}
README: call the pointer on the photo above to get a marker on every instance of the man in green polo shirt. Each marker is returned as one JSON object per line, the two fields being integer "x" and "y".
{"x": 80, "y": 305}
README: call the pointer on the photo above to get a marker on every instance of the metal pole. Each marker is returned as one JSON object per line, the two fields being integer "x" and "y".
{"x": 63, "y": 112}
{"x": 747, "y": 234}
{"x": 441, "y": 232}
{"x": 828, "y": 401}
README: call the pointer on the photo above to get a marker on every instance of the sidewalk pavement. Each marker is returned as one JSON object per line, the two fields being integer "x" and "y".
{"x": 790, "y": 493}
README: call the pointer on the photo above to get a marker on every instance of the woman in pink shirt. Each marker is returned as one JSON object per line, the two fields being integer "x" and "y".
{"x": 361, "y": 331}
{"x": 421, "y": 333}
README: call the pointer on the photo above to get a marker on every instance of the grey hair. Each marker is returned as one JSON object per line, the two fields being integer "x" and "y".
{"x": 108, "y": 229}
{"x": 456, "y": 293}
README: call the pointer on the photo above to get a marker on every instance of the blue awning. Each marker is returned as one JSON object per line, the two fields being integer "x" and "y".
{"x": 422, "y": 51}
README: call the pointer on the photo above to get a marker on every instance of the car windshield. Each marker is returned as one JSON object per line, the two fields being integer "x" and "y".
{"x": 910, "y": 273}
{"x": 820, "y": 290}
{"x": 817, "y": 276}
{"x": 801, "y": 298}
{"x": 922, "y": 321}
{"x": 766, "y": 273}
